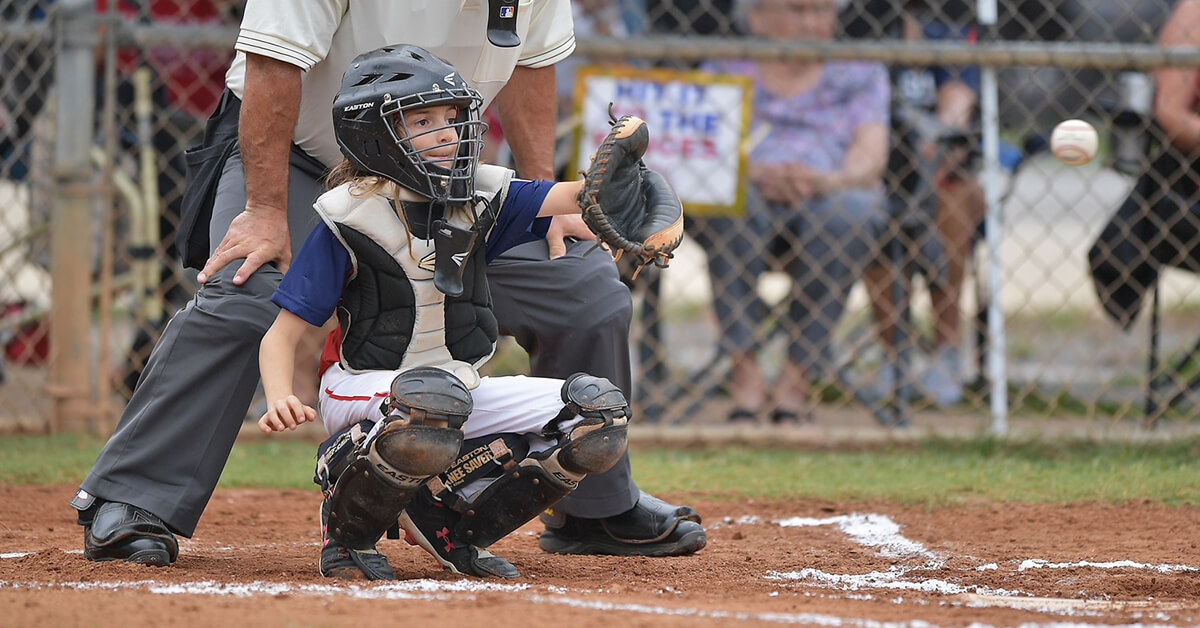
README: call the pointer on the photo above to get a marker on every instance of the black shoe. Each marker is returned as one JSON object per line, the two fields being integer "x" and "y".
{"x": 125, "y": 532}
{"x": 339, "y": 561}
{"x": 742, "y": 416}
{"x": 651, "y": 528}
{"x": 790, "y": 417}
{"x": 428, "y": 523}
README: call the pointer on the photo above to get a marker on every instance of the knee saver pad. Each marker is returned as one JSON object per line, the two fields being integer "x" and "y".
{"x": 372, "y": 491}
{"x": 594, "y": 397}
{"x": 597, "y": 443}
{"x": 430, "y": 395}
{"x": 594, "y": 448}
{"x": 514, "y": 499}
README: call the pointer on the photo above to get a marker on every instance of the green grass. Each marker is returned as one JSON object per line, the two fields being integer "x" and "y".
{"x": 66, "y": 459}
{"x": 933, "y": 473}
{"x": 936, "y": 473}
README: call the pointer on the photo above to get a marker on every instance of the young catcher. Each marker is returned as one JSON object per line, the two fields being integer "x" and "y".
{"x": 408, "y": 223}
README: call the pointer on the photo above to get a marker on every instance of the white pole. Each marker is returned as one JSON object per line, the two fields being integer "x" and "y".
{"x": 71, "y": 380}
{"x": 989, "y": 111}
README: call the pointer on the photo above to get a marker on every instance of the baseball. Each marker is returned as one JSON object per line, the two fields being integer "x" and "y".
{"x": 1074, "y": 142}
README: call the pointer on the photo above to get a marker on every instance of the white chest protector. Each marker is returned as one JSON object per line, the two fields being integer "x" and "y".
{"x": 374, "y": 216}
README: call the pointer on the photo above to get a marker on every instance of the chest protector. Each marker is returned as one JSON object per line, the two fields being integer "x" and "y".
{"x": 391, "y": 315}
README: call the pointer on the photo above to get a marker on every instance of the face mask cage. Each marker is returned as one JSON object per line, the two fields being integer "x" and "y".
{"x": 450, "y": 181}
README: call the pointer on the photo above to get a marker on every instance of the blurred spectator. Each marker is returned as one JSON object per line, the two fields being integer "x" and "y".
{"x": 193, "y": 77}
{"x": 1177, "y": 104}
{"x": 593, "y": 18}
{"x": 819, "y": 149}
{"x": 692, "y": 17}
{"x": 186, "y": 84}
{"x": 931, "y": 182}
{"x": 26, "y": 68}
{"x": 1159, "y": 222}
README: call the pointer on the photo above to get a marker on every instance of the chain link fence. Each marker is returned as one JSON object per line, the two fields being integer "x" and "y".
{"x": 850, "y": 276}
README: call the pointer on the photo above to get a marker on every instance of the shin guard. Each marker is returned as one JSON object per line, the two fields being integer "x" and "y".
{"x": 517, "y": 496}
{"x": 371, "y": 492}
{"x": 420, "y": 438}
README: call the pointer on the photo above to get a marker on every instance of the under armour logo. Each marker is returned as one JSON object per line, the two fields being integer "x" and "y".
{"x": 444, "y": 535}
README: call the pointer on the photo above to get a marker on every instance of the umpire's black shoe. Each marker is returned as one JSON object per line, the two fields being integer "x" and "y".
{"x": 339, "y": 561}
{"x": 651, "y": 528}
{"x": 125, "y": 532}
{"x": 428, "y": 524}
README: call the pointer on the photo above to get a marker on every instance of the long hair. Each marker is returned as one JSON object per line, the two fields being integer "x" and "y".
{"x": 364, "y": 183}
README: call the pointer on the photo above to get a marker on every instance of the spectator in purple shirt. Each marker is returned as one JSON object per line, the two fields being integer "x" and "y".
{"x": 819, "y": 146}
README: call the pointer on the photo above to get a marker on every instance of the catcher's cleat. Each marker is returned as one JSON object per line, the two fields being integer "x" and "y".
{"x": 429, "y": 525}
{"x": 339, "y": 561}
{"x": 651, "y": 528}
{"x": 125, "y": 532}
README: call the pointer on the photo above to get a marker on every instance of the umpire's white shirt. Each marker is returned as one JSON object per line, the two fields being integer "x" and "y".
{"x": 323, "y": 36}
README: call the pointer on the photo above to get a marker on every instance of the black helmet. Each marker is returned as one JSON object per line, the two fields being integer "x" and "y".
{"x": 377, "y": 89}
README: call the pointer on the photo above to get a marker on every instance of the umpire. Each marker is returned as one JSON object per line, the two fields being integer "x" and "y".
{"x": 250, "y": 190}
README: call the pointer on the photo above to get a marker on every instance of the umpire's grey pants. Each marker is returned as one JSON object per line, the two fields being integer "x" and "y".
{"x": 572, "y": 315}
{"x": 175, "y": 436}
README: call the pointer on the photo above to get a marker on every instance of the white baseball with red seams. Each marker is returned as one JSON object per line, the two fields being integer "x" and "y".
{"x": 1074, "y": 142}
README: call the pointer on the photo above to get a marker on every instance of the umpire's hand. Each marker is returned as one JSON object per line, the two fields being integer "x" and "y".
{"x": 258, "y": 234}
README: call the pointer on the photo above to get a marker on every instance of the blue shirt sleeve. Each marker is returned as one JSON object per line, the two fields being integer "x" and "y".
{"x": 936, "y": 30}
{"x": 517, "y": 221}
{"x": 312, "y": 287}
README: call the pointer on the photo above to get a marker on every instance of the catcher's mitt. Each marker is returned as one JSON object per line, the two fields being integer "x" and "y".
{"x": 630, "y": 207}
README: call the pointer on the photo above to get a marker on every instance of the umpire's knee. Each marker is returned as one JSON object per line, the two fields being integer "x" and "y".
{"x": 247, "y": 308}
{"x": 607, "y": 312}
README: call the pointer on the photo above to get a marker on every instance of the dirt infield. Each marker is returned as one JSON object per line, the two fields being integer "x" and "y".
{"x": 804, "y": 562}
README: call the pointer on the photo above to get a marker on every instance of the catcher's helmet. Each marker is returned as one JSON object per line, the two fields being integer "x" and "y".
{"x": 377, "y": 89}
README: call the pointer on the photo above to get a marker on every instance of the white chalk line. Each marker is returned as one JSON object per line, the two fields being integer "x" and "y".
{"x": 1037, "y": 563}
{"x": 437, "y": 590}
{"x": 881, "y": 532}
{"x": 1042, "y": 604}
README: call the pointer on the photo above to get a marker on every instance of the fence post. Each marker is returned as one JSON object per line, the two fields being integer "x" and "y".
{"x": 71, "y": 238}
{"x": 990, "y": 119}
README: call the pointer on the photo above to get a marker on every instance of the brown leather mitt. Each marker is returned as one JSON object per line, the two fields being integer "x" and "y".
{"x": 630, "y": 207}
